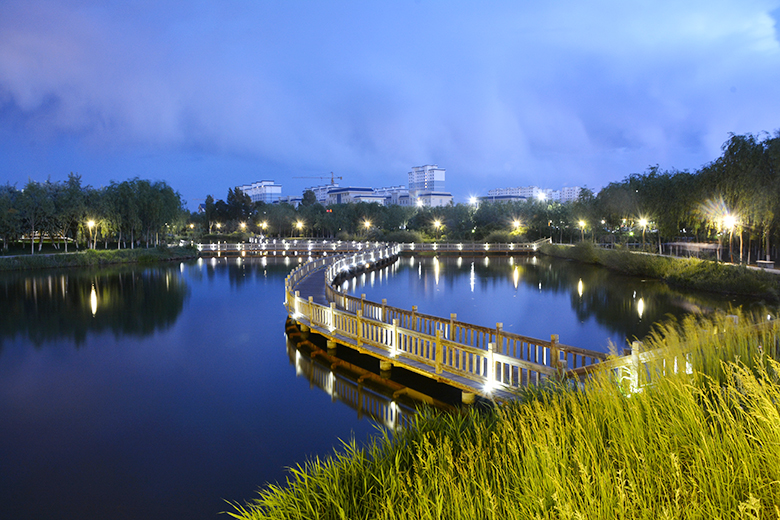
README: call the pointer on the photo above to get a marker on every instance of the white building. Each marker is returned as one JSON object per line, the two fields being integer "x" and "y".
{"x": 393, "y": 195}
{"x": 568, "y": 194}
{"x": 262, "y": 191}
{"x": 321, "y": 192}
{"x": 426, "y": 186}
{"x": 352, "y": 194}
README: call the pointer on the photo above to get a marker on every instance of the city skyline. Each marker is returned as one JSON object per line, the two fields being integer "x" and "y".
{"x": 210, "y": 95}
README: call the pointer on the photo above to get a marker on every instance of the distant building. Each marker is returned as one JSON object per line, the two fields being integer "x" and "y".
{"x": 426, "y": 186}
{"x": 292, "y": 201}
{"x": 262, "y": 191}
{"x": 568, "y": 194}
{"x": 353, "y": 194}
{"x": 321, "y": 192}
{"x": 393, "y": 195}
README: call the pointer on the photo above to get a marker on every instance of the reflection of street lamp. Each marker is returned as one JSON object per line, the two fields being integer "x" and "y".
{"x": 643, "y": 223}
{"x": 90, "y": 225}
{"x": 582, "y": 229}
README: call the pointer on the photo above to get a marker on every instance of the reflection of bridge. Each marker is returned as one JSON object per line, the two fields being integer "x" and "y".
{"x": 478, "y": 360}
{"x": 382, "y": 399}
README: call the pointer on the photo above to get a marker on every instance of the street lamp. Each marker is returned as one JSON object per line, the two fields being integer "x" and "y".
{"x": 90, "y": 225}
{"x": 437, "y": 225}
{"x": 367, "y": 225}
{"x": 243, "y": 226}
{"x": 643, "y": 223}
{"x": 473, "y": 200}
{"x": 299, "y": 225}
{"x": 582, "y": 229}
{"x": 516, "y": 224}
{"x": 729, "y": 221}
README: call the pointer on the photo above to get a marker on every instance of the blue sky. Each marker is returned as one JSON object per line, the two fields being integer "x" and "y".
{"x": 211, "y": 94}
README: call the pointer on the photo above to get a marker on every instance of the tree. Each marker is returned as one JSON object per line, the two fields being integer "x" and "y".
{"x": 35, "y": 207}
{"x": 309, "y": 198}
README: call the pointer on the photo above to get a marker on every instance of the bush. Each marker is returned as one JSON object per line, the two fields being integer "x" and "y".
{"x": 404, "y": 236}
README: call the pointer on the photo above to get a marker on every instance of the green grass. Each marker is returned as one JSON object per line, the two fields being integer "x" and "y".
{"x": 701, "y": 445}
{"x": 692, "y": 273}
{"x": 95, "y": 258}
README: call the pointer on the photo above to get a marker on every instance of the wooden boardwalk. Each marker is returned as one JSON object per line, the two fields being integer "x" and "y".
{"x": 489, "y": 362}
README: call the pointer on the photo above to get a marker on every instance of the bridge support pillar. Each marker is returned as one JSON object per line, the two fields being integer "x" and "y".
{"x": 331, "y": 346}
{"x": 385, "y": 366}
{"x": 467, "y": 397}
{"x": 304, "y": 330}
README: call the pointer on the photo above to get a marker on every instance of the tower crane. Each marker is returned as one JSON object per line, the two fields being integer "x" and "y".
{"x": 332, "y": 178}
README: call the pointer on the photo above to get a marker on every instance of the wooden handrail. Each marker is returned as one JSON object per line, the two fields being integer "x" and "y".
{"x": 489, "y": 357}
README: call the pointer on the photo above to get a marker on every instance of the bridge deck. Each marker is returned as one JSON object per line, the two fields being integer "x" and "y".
{"x": 314, "y": 285}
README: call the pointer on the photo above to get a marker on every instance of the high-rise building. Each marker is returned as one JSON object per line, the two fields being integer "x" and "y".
{"x": 426, "y": 186}
{"x": 262, "y": 191}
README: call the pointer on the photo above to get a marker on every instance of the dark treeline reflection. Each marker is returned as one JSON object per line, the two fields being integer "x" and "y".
{"x": 71, "y": 303}
{"x": 626, "y": 306}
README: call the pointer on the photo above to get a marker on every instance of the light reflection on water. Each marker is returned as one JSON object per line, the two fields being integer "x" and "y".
{"x": 538, "y": 296}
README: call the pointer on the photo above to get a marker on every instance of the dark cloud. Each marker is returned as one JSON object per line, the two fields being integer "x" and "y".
{"x": 211, "y": 94}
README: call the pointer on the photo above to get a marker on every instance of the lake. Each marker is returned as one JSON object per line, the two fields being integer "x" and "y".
{"x": 162, "y": 392}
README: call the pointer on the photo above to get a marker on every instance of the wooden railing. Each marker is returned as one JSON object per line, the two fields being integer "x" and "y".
{"x": 288, "y": 246}
{"x": 490, "y": 358}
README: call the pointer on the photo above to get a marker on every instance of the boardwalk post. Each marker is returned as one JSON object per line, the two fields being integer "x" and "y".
{"x": 555, "y": 354}
{"x": 499, "y": 343}
{"x": 297, "y": 299}
{"x": 452, "y": 336}
{"x": 491, "y": 374}
{"x": 362, "y": 303}
{"x": 413, "y": 323}
{"x": 439, "y": 351}
{"x": 384, "y": 310}
{"x": 359, "y": 331}
{"x": 394, "y": 341}
{"x": 332, "y": 316}
{"x": 311, "y": 310}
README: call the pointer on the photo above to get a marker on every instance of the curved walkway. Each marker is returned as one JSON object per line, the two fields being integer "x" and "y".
{"x": 478, "y": 360}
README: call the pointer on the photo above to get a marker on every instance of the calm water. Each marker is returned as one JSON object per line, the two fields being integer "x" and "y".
{"x": 585, "y": 305}
{"x": 161, "y": 392}
{"x": 177, "y": 394}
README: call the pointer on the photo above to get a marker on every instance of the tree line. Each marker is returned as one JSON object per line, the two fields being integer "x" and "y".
{"x": 736, "y": 196}
{"x": 124, "y": 214}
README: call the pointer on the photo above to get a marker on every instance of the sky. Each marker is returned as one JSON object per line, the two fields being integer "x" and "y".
{"x": 207, "y": 95}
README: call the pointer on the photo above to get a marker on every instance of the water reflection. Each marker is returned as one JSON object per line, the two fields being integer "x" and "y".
{"x": 539, "y": 296}
{"x": 125, "y": 301}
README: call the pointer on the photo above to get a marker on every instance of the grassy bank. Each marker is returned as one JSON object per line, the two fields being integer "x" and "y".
{"x": 96, "y": 258}
{"x": 704, "y": 445}
{"x": 690, "y": 273}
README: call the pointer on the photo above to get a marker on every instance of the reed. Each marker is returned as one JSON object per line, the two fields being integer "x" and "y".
{"x": 701, "y": 443}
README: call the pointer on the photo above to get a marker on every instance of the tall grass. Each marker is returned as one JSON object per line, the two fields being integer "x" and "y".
{"x": 692, "y": 273}
{"x": 704, "y": 444}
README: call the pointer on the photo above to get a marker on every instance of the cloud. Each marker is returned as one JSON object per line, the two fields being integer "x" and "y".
{"x": 572, "y": 92}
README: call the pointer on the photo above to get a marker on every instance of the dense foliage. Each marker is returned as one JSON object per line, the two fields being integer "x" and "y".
{"x": 125, "y": 214}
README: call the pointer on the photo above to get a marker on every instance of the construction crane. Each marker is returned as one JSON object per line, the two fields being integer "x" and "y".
{"x": 332, "y": 178}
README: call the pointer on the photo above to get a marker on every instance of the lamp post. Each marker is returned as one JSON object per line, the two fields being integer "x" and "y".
{"x": 299, "y": 225}
{"x": 437, "y": 225}
{"x": 367, "y": 225}
{"x": 582, "y": 229}
{"x": 643, "y": 223}
{"x": 90, "y": 225}
{"x": 729, "y": 221}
